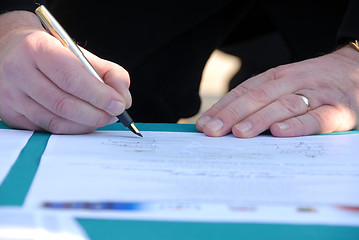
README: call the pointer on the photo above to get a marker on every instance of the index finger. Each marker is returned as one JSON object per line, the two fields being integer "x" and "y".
{"x": 61, "y": 66}
{"x": 247, "y": 104}
{"x": 112, "y": 74}
{"x": 234, "y": 94}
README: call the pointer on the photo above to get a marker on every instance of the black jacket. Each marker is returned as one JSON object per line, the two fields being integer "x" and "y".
{"x": 165, "y": 44}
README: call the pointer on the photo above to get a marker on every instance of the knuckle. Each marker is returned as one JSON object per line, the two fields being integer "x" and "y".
{"x": 262, "y": 118}
{"x": 298, "y": 124}
{"x": 273, "y": 73}
{"x": 231, "y": 114}
{"x": 10, "y": 69}
{"x": 64, "y": 106}
{"x": 34, "y": 116}
{"x": 27, "y": 44}
{"x": 36, "y": 43}
{"x": 24, "y": 49}
{"x": 315, "y": 119}
{"x": 259, "y": 95}
{"x": 35, "y": 46}
{"x": 238, "y": 91}
{"x": 101, "y": 97}
{"x": 55, "y": 125}
{"x": 215, "y": 107}
{"x": 290, "y": 104}
{"x": 69, "y": 81}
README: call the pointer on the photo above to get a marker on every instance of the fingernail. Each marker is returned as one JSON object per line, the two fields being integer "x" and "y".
{"x": 215, "y": 125}
{"x": 203, "y": 120}
{"x": 113, "y": 120}
{"x": 244, "y": 127}
{"x": 283, "y": 126}
{"x": 115, "y": 108}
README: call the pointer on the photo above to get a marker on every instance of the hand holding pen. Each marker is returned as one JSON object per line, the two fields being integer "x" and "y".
{"x": 58, "y": 32}
{"x": 43, "y": 86}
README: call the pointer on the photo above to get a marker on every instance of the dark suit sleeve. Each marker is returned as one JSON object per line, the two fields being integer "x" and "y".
{"x": 349, "y": 28}
{"x": 11, "y": 5}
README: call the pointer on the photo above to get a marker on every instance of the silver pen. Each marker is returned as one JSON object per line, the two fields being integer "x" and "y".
{"x": 55, "y": 29}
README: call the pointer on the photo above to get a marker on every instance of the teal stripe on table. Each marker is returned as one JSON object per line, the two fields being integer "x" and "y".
{"x": 15, "y": 186}
{"x": 3, "y": 125}
{"x": 161, "y": 127}
{"x": 157, "y": 230}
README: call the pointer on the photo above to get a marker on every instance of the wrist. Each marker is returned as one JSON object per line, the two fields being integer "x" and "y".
{"x": 349, "y": 51}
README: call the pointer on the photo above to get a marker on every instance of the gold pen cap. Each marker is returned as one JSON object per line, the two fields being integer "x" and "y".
{"x": 51, "y": 24}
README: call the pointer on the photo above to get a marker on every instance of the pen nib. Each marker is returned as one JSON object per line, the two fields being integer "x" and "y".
{"x": 134, "y": 129}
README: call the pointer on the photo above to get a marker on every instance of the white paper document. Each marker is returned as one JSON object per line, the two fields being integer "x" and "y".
{"x": 11, "y": 144}
{"x": 191, "y": 177}
{"x": 20, "y": 224}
